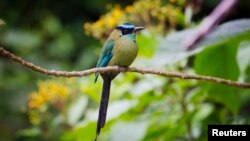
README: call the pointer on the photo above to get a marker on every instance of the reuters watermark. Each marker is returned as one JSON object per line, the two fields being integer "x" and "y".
{"x": 219, "y": 132}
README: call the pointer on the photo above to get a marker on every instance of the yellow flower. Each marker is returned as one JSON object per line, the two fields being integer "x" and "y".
{"x": 63, "y": 91}
{"x": 48, "y": 91}
{"x": 44, "y": 93}
{"x": 172, "y": 1}
{"x": 35, "y": 100}
{"x": 117, "y": 12}
{"x": 100, "y": 22}
{"x": 53, "y": 87}
{"x": 129, "y": 9}
{"x": 111, "y": 21}
{"x": 154, "y": 13}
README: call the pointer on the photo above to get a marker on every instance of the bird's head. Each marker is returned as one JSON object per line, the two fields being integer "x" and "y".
{"x": 128, "y": 28}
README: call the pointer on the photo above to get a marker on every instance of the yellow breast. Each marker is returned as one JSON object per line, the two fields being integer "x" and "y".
{"x": 124, "y": 52}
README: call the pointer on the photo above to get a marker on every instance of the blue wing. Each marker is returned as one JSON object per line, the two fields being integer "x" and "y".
{"x": 105, "y": 56}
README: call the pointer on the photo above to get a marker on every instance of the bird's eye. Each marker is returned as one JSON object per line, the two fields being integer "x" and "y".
{"x": 125, "y": 31}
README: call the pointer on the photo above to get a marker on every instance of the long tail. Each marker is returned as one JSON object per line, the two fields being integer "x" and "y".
{"x": 103, "y": 104}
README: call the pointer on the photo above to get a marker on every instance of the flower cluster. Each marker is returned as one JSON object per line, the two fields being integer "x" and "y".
{"x": 105, "y": 22}
{"x": 151, "y": 13}
{"x": 48, "y": 92}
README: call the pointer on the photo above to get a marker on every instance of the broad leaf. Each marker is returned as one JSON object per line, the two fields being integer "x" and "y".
{"x": 172, "y": 50}
{"x": 243, "y": 59}
{"x": 220, "y": 61}
{"x": 128, "y": 131}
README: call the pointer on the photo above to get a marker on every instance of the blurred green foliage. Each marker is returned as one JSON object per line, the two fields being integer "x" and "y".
{"x": 51, "y": 34}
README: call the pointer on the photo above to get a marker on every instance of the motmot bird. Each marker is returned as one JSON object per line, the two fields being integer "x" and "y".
{"x": 120, "y": 49}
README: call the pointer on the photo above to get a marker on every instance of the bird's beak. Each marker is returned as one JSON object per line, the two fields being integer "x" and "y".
{"x": 139, "y": 28}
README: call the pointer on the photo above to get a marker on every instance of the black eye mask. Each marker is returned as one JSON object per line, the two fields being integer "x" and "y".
{"x": 125, "y": 31}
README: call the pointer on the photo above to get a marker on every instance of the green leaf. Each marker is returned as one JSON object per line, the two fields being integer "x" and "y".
{"x": 22, "y": 40}
{"x": 29, "y": 132}
{"x": 243, "y": 59}
{"x": 167, "y": 131}
{"x": 220, "y": 61}
{"x": 61, "y": 46}
{"x": 147, "y": 44}
{"x": 172, "y": 50}
{"x": 85, "y": 133}
{"x": 51, "y": 25}
{"x": 247, "y": 76}
{"x": 128, "y": 131}
{"x": 203, "y": 112}
{"x": 75, "y": 110}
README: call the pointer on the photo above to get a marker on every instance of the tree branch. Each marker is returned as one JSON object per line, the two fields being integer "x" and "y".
{"x": 209, "y": 23}
{"x": 120, "y": 69}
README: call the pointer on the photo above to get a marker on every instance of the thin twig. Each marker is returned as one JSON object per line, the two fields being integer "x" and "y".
{"x": 120, "y": 69}
{"x": 219, "y": 13}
